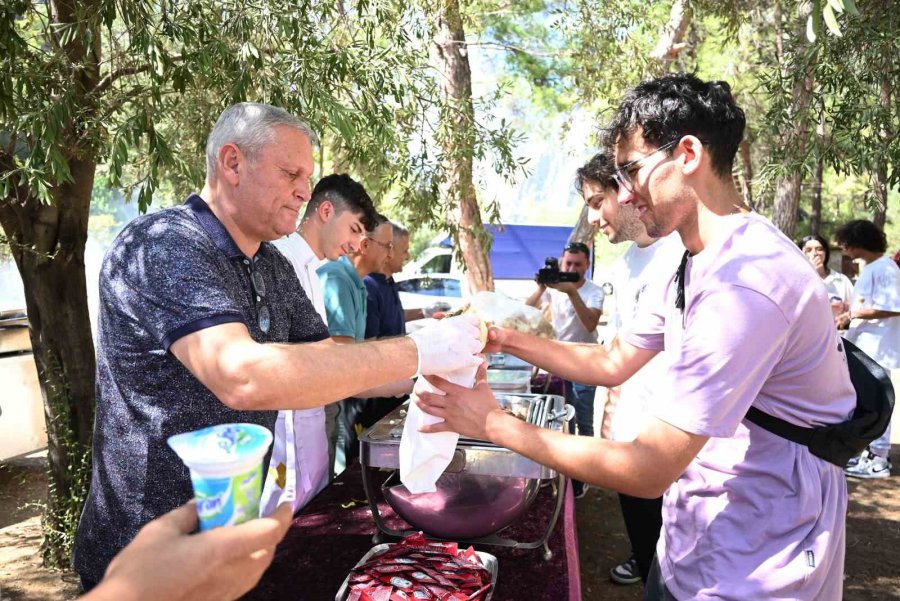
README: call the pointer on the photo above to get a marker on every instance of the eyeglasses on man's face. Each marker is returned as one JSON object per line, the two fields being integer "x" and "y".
{"x": 626, "y": 173}
{"x": 388, "y": 246}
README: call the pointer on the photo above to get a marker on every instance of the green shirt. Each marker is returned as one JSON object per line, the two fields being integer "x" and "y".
{"x": 345, "y": 299}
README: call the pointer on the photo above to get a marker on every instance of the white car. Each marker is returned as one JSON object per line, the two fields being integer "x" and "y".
{"x": 422, "y": 290}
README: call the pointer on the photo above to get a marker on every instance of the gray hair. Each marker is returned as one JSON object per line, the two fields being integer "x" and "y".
{"x": 250, "y": 126}
{"x": 399, "y": 230}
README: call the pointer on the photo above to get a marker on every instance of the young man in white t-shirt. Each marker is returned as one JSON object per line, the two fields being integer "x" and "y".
{"x": 873, "y": 323}
{"x": 575, "y": 309}
{"x": 626, "y": 412}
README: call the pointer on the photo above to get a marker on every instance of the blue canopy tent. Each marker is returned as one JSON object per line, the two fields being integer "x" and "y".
{"x": 519, "y": 250}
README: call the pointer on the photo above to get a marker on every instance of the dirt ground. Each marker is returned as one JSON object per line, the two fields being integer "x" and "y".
{"x": 872, "y": 568}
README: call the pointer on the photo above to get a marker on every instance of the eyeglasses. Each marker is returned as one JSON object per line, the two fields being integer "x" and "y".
{"x": 623, "y": 172}
{"x": 263, "y": 318}
{"x": 577, "y": 247}
{"x": 388, "y": 246}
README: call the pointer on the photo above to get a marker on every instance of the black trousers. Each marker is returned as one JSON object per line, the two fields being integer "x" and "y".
{"x": 643, "y": 521}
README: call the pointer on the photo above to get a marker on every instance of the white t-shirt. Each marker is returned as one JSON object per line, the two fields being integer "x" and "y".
{"x": 838, "y": 285}
{"x": 565, "y": 321}
{"x": 632, "y": 274}
{"x": 878, "y": 287}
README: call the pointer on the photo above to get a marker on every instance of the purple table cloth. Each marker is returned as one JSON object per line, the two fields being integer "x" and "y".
{"x": 331, "y": 534}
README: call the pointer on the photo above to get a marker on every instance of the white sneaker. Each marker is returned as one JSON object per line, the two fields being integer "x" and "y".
{"x": 869, "y": 466}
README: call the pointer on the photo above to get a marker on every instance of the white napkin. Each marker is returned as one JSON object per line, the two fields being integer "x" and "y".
{"x": 424, "y": 457}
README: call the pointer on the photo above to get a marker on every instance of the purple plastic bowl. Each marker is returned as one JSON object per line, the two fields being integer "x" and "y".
{"x": 465, "y": 506}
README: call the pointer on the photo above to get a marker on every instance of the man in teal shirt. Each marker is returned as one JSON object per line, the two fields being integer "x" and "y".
{"x": 345, "y": 305}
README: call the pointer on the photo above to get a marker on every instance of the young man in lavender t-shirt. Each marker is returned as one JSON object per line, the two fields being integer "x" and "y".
{"x": 746, "y": 514}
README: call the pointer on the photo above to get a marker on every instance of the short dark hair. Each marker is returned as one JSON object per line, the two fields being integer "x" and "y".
{"x": 578, "y": 247}
{"x": 862, "y": 233}
{"x": 379, "y": 221}
{"x": 601, "y": 169}
{"x": 821, "y": 240}
{"x": 673, "y": 106}
{"x": 346, "y": 194}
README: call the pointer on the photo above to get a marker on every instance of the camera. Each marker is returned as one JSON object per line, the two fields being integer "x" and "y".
{"x": 550, "y": 273}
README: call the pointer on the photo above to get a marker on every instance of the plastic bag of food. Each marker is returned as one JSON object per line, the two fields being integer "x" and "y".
{"x": 502, "y": 311}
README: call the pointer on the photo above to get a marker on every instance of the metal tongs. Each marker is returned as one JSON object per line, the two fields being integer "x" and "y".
{"x": 566, "y": 413}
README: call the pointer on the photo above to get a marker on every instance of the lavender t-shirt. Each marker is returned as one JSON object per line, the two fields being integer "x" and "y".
{"x": 753, "y": 516}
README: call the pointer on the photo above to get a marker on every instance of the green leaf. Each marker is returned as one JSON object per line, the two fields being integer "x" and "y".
{"x": 831, "y": 21}
{"x": 850, "y": 6}
{"x": 837, "y": 5}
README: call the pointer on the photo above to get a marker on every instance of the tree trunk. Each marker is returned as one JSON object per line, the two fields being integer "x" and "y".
{"x": 746, "y": 175}
{"x": 49, "y": 253}
{"x": 458, "y": 142}
{"x": 778, "y": 19}
{"x": 47, "y": 241}
{"x": 671, "y": 40}
{"x": 583, "y": 231}
{"x": 794, "y": 140}
{"x": 815, "y": 211}
{"x": 879, "y": 173}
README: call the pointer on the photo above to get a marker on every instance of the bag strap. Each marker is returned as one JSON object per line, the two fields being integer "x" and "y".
{"x": 779, "y": 427}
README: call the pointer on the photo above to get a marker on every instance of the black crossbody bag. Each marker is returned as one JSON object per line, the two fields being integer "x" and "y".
{"x": 838, "y": 443}
{"x": 835, "y": 443}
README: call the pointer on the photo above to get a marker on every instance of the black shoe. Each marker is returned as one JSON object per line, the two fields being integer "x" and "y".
{"x": 626, "y": 573}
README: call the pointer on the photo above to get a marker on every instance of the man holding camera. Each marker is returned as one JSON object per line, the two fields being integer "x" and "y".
{"x": 575, "y": 304}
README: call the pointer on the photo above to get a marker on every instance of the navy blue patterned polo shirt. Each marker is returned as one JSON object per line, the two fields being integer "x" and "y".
{"x": 167, "y": 275}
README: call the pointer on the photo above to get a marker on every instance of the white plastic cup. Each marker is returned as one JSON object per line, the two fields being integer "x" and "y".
{"x": 225, "y": 462}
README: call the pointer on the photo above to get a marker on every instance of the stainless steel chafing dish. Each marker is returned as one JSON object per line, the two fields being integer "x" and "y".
{"x": 484, "y": 489}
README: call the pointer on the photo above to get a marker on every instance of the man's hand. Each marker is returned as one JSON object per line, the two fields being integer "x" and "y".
{"x": 496, "y": 337}
{"x": 468, "y": 411}
{"x": 449, "y": 344}
{"x": 565, "y": 287}
{"x": 166, "y": 563}
{"x": 842, "y": 321}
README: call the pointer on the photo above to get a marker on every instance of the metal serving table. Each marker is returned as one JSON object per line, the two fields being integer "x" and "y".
{"x": 493, "y": 486}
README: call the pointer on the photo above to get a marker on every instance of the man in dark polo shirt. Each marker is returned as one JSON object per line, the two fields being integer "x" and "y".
{"x": 195, "y": 309}
{"x": 384, "y": 314}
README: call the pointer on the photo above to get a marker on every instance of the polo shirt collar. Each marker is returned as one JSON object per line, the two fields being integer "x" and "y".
{"x": 207, "y": 219}
{"x": 379, "y": 277}
{"x": 351, "y": 270}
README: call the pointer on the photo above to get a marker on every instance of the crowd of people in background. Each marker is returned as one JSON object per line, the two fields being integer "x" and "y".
{"x": 254, "y": 318}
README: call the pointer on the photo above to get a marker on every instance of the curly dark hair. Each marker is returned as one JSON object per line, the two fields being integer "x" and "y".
{"x": 601, "y": 169}
{"x": 346, "y": 194}
{"x": 861, "y": 233}
{"x": 672, "y": 106}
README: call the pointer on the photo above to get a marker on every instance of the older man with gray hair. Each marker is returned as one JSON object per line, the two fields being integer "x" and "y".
{"x": 201, "y": 323}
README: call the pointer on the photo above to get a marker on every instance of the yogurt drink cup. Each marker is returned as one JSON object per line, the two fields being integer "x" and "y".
{"x": 225, "y": 462}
